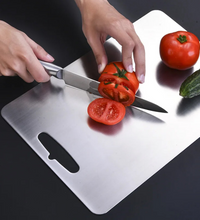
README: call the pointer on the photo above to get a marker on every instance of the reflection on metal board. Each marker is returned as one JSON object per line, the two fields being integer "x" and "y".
{"x": 113, "y": 160}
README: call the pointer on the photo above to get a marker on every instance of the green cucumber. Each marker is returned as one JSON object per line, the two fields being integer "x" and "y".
{"x": 191, "y": 86}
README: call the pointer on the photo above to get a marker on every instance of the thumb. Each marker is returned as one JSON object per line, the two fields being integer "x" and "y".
{"x": 39, "y": 52}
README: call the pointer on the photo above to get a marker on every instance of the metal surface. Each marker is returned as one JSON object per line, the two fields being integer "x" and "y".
{"x": 113, "y": 160}
{"x": 91, "y": 85}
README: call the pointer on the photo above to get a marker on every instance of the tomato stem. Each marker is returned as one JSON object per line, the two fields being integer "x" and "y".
{"x": 120, "y": 73}
{"x": 182, "y": 39}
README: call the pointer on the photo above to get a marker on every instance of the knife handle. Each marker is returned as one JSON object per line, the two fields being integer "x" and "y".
{"x": 52, "y": 69}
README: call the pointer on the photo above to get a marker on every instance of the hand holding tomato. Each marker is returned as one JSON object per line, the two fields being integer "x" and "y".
{"x": 179, "y": 50}
{"x": 99, "y": 20}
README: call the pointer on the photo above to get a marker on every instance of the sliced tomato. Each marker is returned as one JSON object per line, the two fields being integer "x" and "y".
{"x": 106, "y": 111}
{"x": 116, "y": 73}
{"x": 116, "y": 92}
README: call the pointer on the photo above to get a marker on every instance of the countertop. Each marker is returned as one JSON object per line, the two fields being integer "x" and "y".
{"x": 28, "y": 188}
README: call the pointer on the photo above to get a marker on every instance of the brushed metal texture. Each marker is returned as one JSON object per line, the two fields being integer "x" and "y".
{"x": 113, "y": 160}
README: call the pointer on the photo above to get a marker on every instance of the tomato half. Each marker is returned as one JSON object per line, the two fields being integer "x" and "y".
{"x": 116, "y": 92}
{"x": 179, "y": 50}
{"x": 116, "y": 73}
{"x": 106, "y": 111}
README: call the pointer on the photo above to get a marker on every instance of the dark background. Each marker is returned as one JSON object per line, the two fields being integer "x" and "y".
{"x": 28, "y": 188}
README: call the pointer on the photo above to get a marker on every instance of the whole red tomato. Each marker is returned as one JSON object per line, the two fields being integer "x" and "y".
{"x": 179, "y": 50}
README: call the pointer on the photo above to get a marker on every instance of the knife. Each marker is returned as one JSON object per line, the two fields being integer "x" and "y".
{"x": 91, "y": 85}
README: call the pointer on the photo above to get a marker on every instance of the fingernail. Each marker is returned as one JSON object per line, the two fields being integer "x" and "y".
{"x": 101, "y": 68}
{"x": 130, "y": 68}
{"x": 49, "y": 57}
{"x": 141, "y": 78}
{"x": 47, "y": 79}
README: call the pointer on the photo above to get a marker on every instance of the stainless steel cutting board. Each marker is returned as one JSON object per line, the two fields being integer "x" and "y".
{"x": 113, "y": 160}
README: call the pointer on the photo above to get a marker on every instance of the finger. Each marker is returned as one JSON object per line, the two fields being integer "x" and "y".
{"x": 137, "y": 49}
{"x": 127, "y": 44}
{"x": 6, "y": 71}
{"x": 131, "y": 45}
{"x": 26, "y": 76}
{"x": 19, "y": 68}
{"x": 37, "y": 71}
{"x": 96, "y": 42}
{"x": 22, "y": 73}
{"x": 139, "y": 56}
{"x": 38, "y": 50}
{"x": 127, "y": 53}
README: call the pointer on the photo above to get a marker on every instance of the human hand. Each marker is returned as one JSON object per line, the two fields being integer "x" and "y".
{"x": 19, "y": 55}
{"x": 100, "y": 19}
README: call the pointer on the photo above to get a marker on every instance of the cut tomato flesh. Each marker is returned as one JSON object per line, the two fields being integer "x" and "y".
{"x": 106, "y": 111}
{"x": 118, "y": 93}
{"x": 99, "y": 109}
{"x": 112, "y": 113}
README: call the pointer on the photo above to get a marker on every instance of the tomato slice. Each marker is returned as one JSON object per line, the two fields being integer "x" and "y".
{"x": 116, "y": 92}
{"x": 116, "y": 73}
{"x": 106, "y": 111}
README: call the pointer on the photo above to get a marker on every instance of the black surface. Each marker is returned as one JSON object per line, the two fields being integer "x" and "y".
{"x": 28, "y": 188}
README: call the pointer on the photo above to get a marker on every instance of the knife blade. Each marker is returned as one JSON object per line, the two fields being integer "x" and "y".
{"x": 91, "y": 86}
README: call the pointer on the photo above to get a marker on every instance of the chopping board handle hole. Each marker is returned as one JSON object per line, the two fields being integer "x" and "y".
{"x": 57, "y": 152}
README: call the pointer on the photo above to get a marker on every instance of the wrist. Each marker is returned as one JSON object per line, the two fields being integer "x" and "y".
{"x": 81, "y": 3}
